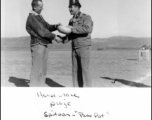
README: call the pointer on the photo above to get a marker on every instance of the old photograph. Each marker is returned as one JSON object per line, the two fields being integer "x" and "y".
{"x": 76, "y": 59}
{"x": 76, "y": 43}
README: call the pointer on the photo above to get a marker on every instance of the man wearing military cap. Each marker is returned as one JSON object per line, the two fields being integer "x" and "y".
{"x": 81, "y": 26}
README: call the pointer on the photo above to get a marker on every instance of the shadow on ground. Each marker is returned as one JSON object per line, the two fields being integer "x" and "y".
{"x": 52, "y": 83}
{"x": 126, "y": 82}
{"x": 20, "y": 82}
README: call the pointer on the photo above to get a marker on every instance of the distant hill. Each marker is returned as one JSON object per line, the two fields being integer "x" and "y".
{"x": 24, "y": 43}
{"x": 116, "y": 42}
{"x": 121, "y": 42}
{"x": 19, "y": 42}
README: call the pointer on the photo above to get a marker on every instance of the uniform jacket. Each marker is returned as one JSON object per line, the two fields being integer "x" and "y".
{"x": 39, "y": 29}
{"x": 81, "y": 31}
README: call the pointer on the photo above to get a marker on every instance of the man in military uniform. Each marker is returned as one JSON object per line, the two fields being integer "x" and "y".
{"x": 41, "y": 35}
{"x": 81, "y": 26}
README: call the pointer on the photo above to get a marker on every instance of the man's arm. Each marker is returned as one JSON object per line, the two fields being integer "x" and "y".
{"x": 85, "y": 28}
{"x": 39, "y": 28}
{"x": 51, "y": 28}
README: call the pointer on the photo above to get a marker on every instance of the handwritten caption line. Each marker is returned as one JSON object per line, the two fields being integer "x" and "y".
{"x": 76, "y": 113}
{"x": 44, "y": 95}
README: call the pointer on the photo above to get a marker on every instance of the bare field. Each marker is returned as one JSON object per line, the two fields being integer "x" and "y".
{"x": 109, "y": 68}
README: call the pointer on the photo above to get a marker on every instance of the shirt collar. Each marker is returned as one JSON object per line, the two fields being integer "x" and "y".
{"x": 35, "y": 13}
{"x": 79, "y": 15}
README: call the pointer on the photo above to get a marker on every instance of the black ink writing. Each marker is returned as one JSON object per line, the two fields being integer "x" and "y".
{"x": 44, "y": 95}
{"x": 69, "y": 95}
{"x": 64, "y": 100}
{"x": 79, "y": 114}
{"x": 65, "y": 104}
{"x": 64, "y": 95}
{"x": 82, "y": 115}
{"x": 96, "y": 115}
{"x": 55, "y": 114}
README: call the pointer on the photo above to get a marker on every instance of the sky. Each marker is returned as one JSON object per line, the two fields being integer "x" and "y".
{"x": 110, "y": 17}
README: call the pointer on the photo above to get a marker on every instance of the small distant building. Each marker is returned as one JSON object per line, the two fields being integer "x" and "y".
{"x": 144, "y": 53}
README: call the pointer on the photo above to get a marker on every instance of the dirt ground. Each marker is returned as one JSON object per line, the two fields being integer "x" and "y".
{"x": 109, "y": 68}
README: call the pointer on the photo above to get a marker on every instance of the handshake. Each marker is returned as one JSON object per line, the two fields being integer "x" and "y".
{"x": 59, "y": 39}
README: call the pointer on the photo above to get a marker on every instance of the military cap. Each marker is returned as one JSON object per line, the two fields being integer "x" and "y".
{"x": 74, "y": 2}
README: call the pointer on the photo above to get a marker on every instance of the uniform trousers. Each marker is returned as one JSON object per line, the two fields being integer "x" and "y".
{"x": 39, "y": 65}
{"x": 80, "y": 67}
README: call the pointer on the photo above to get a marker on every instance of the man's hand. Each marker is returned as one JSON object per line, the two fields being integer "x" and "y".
{"x": 63, "y": 38}
{"x": 70, "y": 27}
{"x": 59, "y": 24}
{"x": 58, "y": 39}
